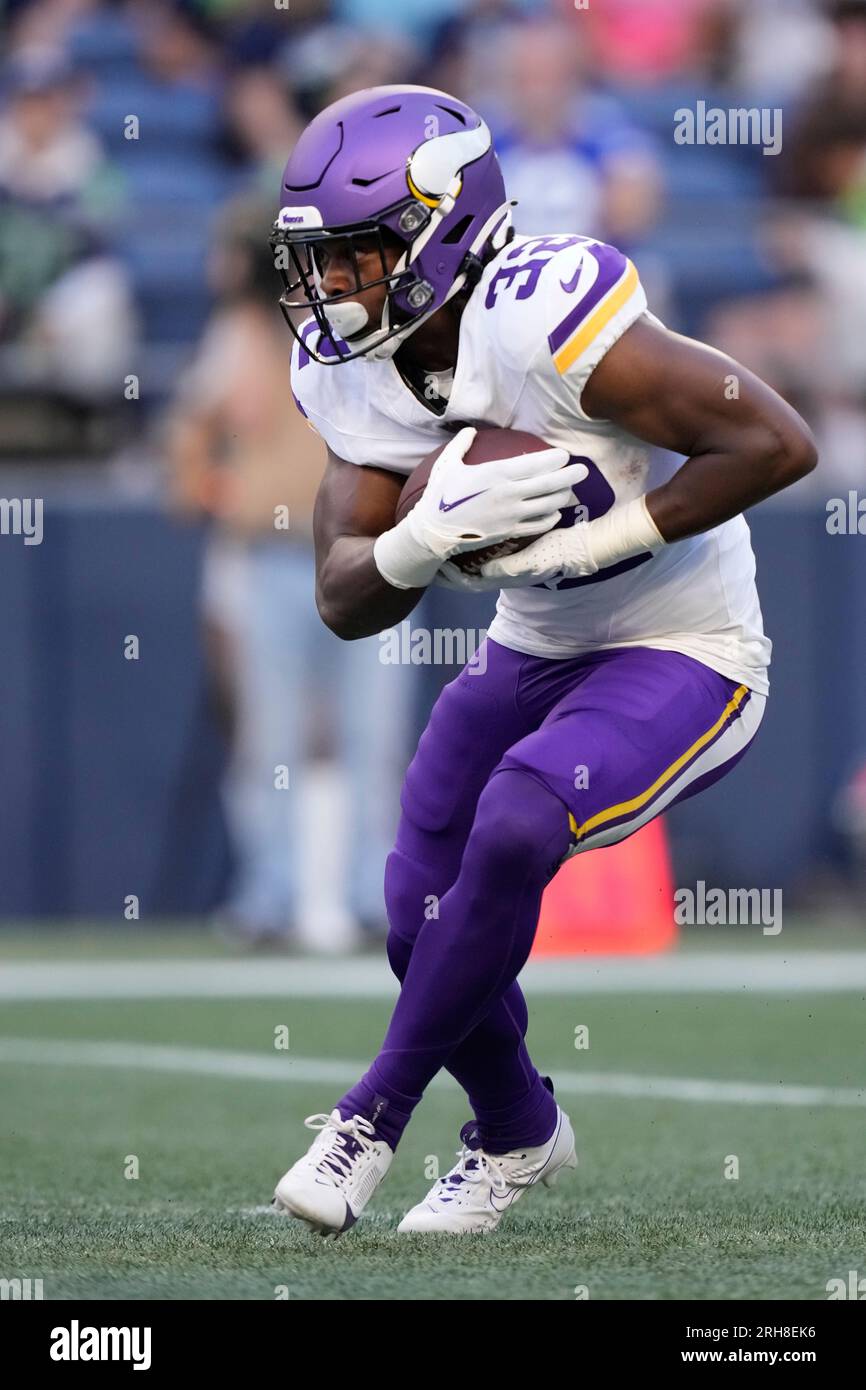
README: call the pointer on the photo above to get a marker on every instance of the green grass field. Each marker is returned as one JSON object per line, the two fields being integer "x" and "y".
{"x": 648, "y": 1215}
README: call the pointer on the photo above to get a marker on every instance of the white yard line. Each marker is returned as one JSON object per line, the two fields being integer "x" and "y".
{"x": 773, "y": 970}
{"x": 307, "y": 1071}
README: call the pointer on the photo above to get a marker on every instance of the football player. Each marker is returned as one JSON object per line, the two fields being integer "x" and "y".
{"x": 626, "y": 668}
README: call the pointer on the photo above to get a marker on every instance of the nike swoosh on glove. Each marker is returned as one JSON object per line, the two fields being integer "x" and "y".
{"x": 467, "y": 507}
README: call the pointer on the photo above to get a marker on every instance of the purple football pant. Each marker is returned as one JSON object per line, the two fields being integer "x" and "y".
{"x": 524, "y": 760}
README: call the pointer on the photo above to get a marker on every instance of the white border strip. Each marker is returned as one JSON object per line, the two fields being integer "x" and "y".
{"x": 766, "y": 970}
{"x": 338, "y": 1072}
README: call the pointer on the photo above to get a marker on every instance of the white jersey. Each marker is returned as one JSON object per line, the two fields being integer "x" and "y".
{"x": 540, "y": 320}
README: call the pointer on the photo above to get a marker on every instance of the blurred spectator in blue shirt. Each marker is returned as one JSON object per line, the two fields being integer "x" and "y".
{"x": 570, "y": 157}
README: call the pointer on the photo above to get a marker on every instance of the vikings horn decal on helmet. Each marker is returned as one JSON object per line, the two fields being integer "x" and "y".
{"x": 403, "y": 168}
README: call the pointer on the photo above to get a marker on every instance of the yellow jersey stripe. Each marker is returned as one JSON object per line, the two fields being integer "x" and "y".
{"x": 597, "y": 320}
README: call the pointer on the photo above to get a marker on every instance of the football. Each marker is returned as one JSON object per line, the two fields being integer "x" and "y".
{"x": 488, "y": 444}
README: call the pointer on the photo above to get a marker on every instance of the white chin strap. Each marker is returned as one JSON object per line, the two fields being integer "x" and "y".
{"x": 378, "y": 345}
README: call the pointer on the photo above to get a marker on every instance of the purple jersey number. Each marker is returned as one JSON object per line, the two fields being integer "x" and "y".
{"x": 596, "y": 495}
{"x": 516, "y": 264}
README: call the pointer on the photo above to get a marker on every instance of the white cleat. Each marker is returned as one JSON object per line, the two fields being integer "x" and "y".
{"x": 481, "y": 1187}
{"x": 333, "y": 1182}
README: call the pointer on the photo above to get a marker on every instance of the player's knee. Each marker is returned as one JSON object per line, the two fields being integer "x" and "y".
{"x": 520, "y": 825}
{"x": 408, "y": 898}
{"x": 399, "y": 952}
{"x": 401, "y": 936}
{"x": 402, "y": 894}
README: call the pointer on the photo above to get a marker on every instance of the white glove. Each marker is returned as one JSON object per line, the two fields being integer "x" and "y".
{"x": 467, "y": 507}
{"x": 578, "y": 551}
{"x": 562, "y": 553}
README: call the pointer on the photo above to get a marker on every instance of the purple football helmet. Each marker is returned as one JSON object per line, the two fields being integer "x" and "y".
{"x": 406, "y": 161}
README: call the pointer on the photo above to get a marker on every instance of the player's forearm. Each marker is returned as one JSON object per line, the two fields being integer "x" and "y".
{"x": 352, "y": 597}
{"x": 713, "y": 486}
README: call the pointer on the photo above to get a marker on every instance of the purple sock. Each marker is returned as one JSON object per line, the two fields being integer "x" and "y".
{"x": 464, "y": 965}
{"x": 511, "y": 1102}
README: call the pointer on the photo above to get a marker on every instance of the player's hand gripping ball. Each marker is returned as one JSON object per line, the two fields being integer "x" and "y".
{"x": 518, "y": 489}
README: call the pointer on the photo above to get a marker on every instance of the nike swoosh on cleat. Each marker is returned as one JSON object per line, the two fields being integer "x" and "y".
{"x": 503, "y": 1203}
{"x": 449, "y": 506}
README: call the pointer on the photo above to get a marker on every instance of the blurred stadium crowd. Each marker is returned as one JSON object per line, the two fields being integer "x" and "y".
{"x": 141, "y": 145}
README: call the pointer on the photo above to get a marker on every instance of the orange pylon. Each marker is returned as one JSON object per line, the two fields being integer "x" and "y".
{"x": 613, "y": 901}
